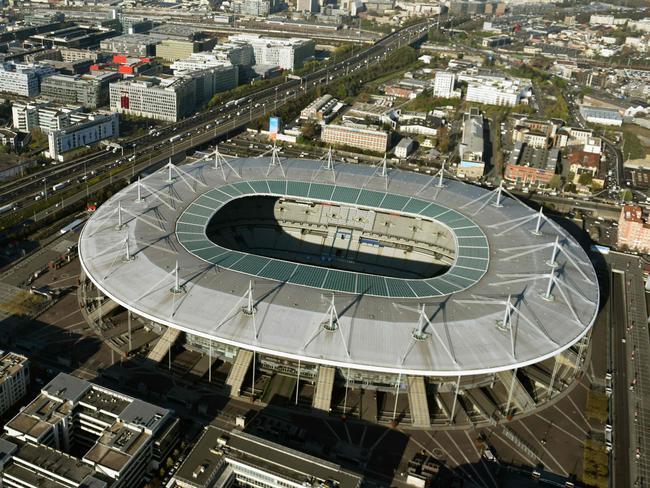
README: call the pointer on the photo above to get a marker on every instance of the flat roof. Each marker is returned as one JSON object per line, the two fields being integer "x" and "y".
{"x": 499, "y": 256}
{"x": 262, "y": 454}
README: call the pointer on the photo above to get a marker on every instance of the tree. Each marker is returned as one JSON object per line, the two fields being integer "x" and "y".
{"x": 309, "y": 130}
{"x": 585, "y": 179}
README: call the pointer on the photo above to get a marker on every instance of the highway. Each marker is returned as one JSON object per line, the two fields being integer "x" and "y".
{"x": 197, "y": 130}
{"x": 621, "y": 438}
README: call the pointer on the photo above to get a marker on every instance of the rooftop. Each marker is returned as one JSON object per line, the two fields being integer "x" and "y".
{"x": 377, "y": 328}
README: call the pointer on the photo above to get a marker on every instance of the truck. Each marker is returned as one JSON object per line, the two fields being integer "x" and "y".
{"x": 175, "y": 138}
{"x": 60, "y": 186}
{"x": 6, "y": 208}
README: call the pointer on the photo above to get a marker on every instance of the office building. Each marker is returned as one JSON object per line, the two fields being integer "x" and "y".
{"x": 197, "y": 62}
{"x": 359, "y": 136}
{"x": 14, "y": 379}
{"x": 174, "y": 49}
{"x": 88, "y": 90}
{"x": 288, "y": 54}
{"x": 134, "y": 45}
{"x": 23, "y": 79}
{"x": 170, "y": 98}
{"x": 496, "y": 41}
{"x": 77, "y": 434}
{"x": 497, "y": 90}
{"x": 91, "y": 129}
{"x": 222, "y": 458}
{"x": 443, "y": 86}
{"x": 43, "y": 116}
{"x": 239, "y": 54}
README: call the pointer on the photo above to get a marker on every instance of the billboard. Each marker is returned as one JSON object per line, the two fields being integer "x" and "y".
{"x": 274, "y": 127}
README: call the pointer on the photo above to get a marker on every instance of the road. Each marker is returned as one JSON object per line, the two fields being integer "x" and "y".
{"x": 632, "y": 359}
{"x": 205, "y": 126}
{"x": 621, "y": 439}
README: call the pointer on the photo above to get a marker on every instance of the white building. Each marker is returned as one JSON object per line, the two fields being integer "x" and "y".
{"x": 43, "y": 116}
{"x": 239, "y": 54}
{"x": 171, "y": 98}
{"x": 443, "y": 86}
{"x": 288, "y": 54}
{"x": 404, "y": 147}
{"x": 14, "y": 379}
{"x": 497, "y": 90}
{"x": 23, "y": 79}
{"x": 222, "y": 458}
{"x": 94, "y": 128}
{"x": 77, "y": 434}
{"x": 197, "y": 62}
{"x": 601, "y": 116}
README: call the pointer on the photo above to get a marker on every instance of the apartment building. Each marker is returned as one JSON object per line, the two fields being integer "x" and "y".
{"x": 23, "y": 79}
{"x": 288, "y": 53}
{"x": 88, "y": 90}
{"x": 221, "y": 458}
{"x": 255, "y": 8}
{"x": 356, "y": 135}
{"x": 91, "y": 129}
{"x": 14, "y": 379}
{"x": 443, "y": 85}
{"x": 532, "y": 165}
{"x": 77, "y": 434}
{"x": 633, "y": 229}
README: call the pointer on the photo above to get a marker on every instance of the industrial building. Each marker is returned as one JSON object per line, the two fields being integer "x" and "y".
{"x": 472, "y": 145}
{"x": 404, "y": 290}
{"x": 601, "y": 115}
{"x": 76, "y": 434}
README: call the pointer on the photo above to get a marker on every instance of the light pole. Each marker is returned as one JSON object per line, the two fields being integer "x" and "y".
{"x": 45, "y": 187}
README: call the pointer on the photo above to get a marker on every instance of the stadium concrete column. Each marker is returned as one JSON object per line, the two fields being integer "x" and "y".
{"x": 418, "y": 405}
{"x": 556, "y": 367}
{"x": 324, "y": 386}
{"x": 237, "y": 373}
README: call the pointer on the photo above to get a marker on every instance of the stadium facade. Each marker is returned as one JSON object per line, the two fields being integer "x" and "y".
{"x": 354, "y": 289}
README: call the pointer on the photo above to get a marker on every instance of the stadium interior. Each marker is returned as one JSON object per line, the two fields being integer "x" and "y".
{"x": 332, "y": 235}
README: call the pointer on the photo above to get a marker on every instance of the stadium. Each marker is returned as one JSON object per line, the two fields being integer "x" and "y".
{"x": 381, "y": 293}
